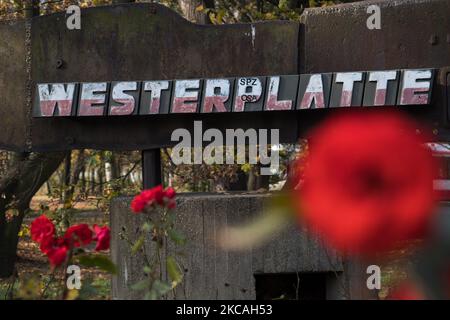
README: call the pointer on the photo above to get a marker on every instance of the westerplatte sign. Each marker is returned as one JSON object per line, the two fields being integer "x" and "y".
{"x": 241, "y": 94}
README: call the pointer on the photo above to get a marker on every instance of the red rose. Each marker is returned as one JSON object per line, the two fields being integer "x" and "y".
{"x": 47, "y": 244}
{"x": 368, "y": 182}
{"x": 57, "y": 255}
{"x": 42, "y": 228}
{"x": 170, "y": 193}
{"x": 150, "y": 197}
{"x": 79, "y": 235}
{"x": 55, "y": 249}
{"x": 169, "y": 197}
{"x": 103, "y": 237}
{"x": 138, "y": 204}
{"x": 158, "y": 194}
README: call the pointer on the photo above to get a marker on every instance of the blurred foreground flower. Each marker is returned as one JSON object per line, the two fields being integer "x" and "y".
{"x": 418, "y": 288}
{"x": 277, "y": 215}
{"x": 406, "y": 291}
{"x": 365, "y": 186}
{"x": 368, "y": 182}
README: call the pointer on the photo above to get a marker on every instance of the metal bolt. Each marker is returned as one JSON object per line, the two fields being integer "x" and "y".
{"x": 59, "y": 63}
{"x": 70, "y": 140}
{"x": 434, "y": 40}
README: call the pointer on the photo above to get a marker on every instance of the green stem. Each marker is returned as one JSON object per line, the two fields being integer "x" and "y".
{"x": 52, "y": 278}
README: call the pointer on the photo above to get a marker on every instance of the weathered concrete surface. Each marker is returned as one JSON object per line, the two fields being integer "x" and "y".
{"x": 213, "y": 273}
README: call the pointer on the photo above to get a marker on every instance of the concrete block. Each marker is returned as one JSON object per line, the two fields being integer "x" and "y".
{"x": 214, "y": 273}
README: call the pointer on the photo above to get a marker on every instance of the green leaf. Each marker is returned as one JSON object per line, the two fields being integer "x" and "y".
{"x": 171, "y": 216}
{"x": 174, "y": 271}
{"x": 147, "y": 226}
{"x": 176, "y": 237}
{"x": 138, "y": 245}
{"x": 87, "y": 290}
{"x": 141, "y": 285}
{"x": 99, "y": 261}
{"x": 147, "y": 270}
{"x": 151, "y": 295}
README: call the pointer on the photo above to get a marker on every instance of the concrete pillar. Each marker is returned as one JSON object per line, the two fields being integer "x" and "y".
{"x": 213, "y": 273}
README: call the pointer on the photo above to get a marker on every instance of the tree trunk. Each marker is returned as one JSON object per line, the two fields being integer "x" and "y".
{"x": 116, "y": 172}
{"x": 49, "y": 189}
{"x": 17, "y": 187}
{"x": 262, "y": 182}
{"x": 190, "y": 12}
{"x": 83, "y": 181}
{"x": 101, "y": 174}
{"x": 115, "y": 166}
{"x": 92, "y": 181}
{"x": 66, "y": 180}
{"x": 251, "y": 179}
{"x": 74, "y": 177}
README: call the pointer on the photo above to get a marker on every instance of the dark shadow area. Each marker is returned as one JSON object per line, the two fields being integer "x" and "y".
{"x": 291, "y": 286}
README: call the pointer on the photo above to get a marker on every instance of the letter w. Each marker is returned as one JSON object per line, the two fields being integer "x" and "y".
{"x": 54, "y": 95}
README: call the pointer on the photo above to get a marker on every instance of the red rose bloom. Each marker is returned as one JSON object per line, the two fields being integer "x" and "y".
{"x": 170, "y": 193}
{"x": 138, "y": 204}
{"x": 158, "y": 194}
{"x": 103, "y": 237}
{"x": 57, "y": 255}
{"x": 169, "y": 197}
{"x": 150, "y": 197}
{"x": 79, "y": 235}
{"x": 47, "y": 244}
{"x": 368, "y": 182}
{"x": 42, "y": 228}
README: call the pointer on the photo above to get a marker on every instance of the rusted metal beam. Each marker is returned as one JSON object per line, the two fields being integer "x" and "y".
{"x": 150, "y": 42}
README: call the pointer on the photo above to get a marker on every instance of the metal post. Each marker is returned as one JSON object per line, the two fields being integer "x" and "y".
{"x": 151, "y": 168}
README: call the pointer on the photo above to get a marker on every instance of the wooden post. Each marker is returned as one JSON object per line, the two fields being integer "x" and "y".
{"x": 151, "y": 168}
